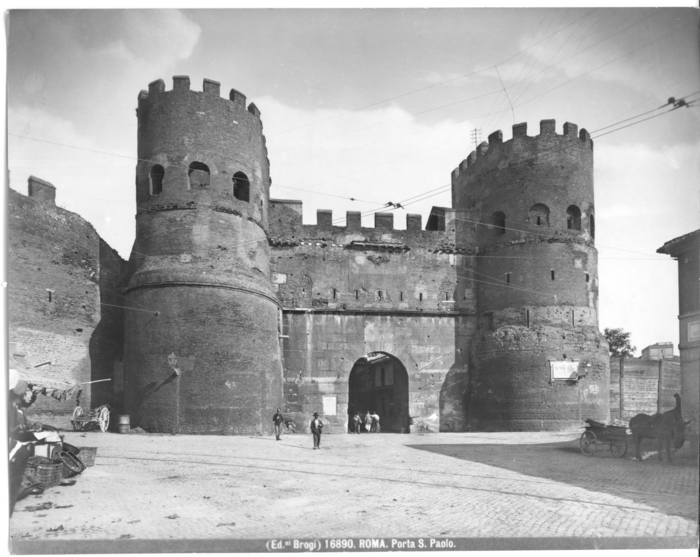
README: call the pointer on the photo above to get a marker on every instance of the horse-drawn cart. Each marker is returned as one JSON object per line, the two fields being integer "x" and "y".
{"x": 597, "y": 433}
{"x": 99, "y": 416}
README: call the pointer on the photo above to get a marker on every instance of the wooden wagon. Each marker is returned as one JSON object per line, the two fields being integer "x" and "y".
{"x": 601, "y": 434}
{"x": 99, "y": 417}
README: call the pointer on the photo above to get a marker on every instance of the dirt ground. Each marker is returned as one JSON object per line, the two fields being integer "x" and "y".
{"x": 180, "y": 491}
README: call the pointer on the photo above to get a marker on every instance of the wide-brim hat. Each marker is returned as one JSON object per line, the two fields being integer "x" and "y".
{"x": 316, "y": 414}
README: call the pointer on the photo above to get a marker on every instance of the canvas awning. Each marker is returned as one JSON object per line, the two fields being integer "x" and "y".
{"x": 41, "y": 383}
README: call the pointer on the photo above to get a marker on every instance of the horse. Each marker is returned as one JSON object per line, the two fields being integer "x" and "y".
{"x": 662, "y": 427}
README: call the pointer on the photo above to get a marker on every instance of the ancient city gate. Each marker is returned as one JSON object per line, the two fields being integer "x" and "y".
{"x": 378, "y": 383}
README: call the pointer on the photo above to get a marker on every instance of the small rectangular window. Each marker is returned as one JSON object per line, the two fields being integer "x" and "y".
{"x": 420, "y": 297}
{"x": 552, "y": 274}
{"x": 401, "y": 296}
{"x": 380, "y": 295}
{"x": 357, "y": 294}
{"x": 588, "y": 277}
{"x": 335, "y": 294}
{"x": 572, "y": 318}
{"x": 508, "y": 278}
{"x": 527, "y": 317}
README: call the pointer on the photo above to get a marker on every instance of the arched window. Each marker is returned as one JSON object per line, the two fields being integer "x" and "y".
{"x": 199, "y": 175}
{"x": 241, "y": 187}
{"x": 592, "y": 225}
{"x": 573, "y": 218}
{"x": 498, "y": 224}
{"x": 539, "y": 215}
{"x": 157, "y": 173}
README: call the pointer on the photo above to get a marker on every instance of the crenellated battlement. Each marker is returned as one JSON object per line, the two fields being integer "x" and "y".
{"x": 290, "y": 213}
{"x": 181, "y": 83}
{"x": 547, "y": 141}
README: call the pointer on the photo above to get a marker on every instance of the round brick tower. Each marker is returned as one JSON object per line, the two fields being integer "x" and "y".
{"x": 538, "y": 360}
{"x": 202, "y": 351}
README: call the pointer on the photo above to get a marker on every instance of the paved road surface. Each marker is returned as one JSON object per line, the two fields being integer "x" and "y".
{"x": 495, "y": 485}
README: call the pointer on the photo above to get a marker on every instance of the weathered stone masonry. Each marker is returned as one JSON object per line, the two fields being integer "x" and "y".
{"x": 200, "y": 265}
{"x": 61, "y": 275}
{"x": 537, "y": 285}
{"x": 350, "y": 291}
{"x": 235, "y": 307}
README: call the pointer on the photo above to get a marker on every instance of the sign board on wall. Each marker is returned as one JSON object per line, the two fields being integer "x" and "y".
{"x": 563, "y": 370}
{"x": 329, "y": 405}
{"x": 693, "y": 331}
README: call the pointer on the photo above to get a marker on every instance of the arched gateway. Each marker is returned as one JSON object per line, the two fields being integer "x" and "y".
{"x": 379, "y": 383}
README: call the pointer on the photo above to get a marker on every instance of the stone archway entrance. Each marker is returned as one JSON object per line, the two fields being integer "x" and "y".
{"x": 379, "y": 383}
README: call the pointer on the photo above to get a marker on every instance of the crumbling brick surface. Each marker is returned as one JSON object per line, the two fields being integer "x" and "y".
{"x": 199, "y": 277}
{"x": 536, "y": 274}
{"x": 56, "y": 278}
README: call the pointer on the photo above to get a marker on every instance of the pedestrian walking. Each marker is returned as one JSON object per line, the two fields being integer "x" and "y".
{"x": 316, "y": 429}
{"x": 375, "y": 423}
{"x": 278, "y": 420}
{"x": 368, "y": 422}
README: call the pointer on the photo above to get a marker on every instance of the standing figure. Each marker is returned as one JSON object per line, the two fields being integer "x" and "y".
{"x": 278, "y": 419}
{"x": 20, "y": 396}
{"x": 375, "y": 423}
{"x": 316, "y": 429}
{"x": 368, "y": 422}
{"x": 356, "y": 423}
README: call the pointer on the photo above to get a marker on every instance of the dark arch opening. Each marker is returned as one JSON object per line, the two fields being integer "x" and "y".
{"x": 378, "y": 383}
{"x": 539, "y": 215}
{"x": 498, "y": 223}
{"x": 157, "y": 174}
{"x": 573, "y": 218}
{"x": 199, "y": 175}
{"x": 241, "y": 187}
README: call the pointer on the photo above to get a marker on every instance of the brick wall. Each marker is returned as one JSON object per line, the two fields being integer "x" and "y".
{"x": 642, "y": 393}
{"x": 198, "y": 280}
{"x": 322, "y": 349}
{"x": 350, "y": 290}
{"x": 55, "y": 295}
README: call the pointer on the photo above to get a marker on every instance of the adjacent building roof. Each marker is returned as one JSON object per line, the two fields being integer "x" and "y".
{"x": 680, "y": 244}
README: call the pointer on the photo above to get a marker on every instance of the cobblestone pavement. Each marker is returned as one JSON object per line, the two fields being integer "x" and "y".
{"x": 495, "y": 485}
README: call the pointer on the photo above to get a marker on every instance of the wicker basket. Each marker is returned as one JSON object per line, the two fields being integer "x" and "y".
{"x": 87, "y": 455}
{"x": 45, "y": 471}
{"x": 72, "y": 465}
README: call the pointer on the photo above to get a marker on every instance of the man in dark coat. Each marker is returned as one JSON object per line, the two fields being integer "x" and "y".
{"x": 278, "y": 419}
{"x": 20, "y": 395}
{"x": 316, "y": 429}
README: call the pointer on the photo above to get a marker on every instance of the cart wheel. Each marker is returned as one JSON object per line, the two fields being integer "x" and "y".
{"x": 588, "y": 441}
{"x": 103, "y": 419}
{"x": 77, "y": 425}
{"x": 618, "y": 448}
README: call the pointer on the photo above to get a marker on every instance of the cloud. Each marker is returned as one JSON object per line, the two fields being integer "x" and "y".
{"x": 162, "y": 37}
{"x": 650, "y": 184}
{"x": 359, "y": 155}
{"x": 99, "y": 187}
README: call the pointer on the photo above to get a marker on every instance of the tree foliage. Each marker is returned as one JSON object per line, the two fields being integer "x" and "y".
{"x": 619, "y": 341}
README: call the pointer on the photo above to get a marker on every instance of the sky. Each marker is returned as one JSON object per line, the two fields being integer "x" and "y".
{"x": 365, "y": 106}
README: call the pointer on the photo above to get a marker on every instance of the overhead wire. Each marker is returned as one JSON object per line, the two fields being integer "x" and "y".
{"x": 425, "y": 195}
{"x": 124, "y": 156}
{"x": 421, "y": 89}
